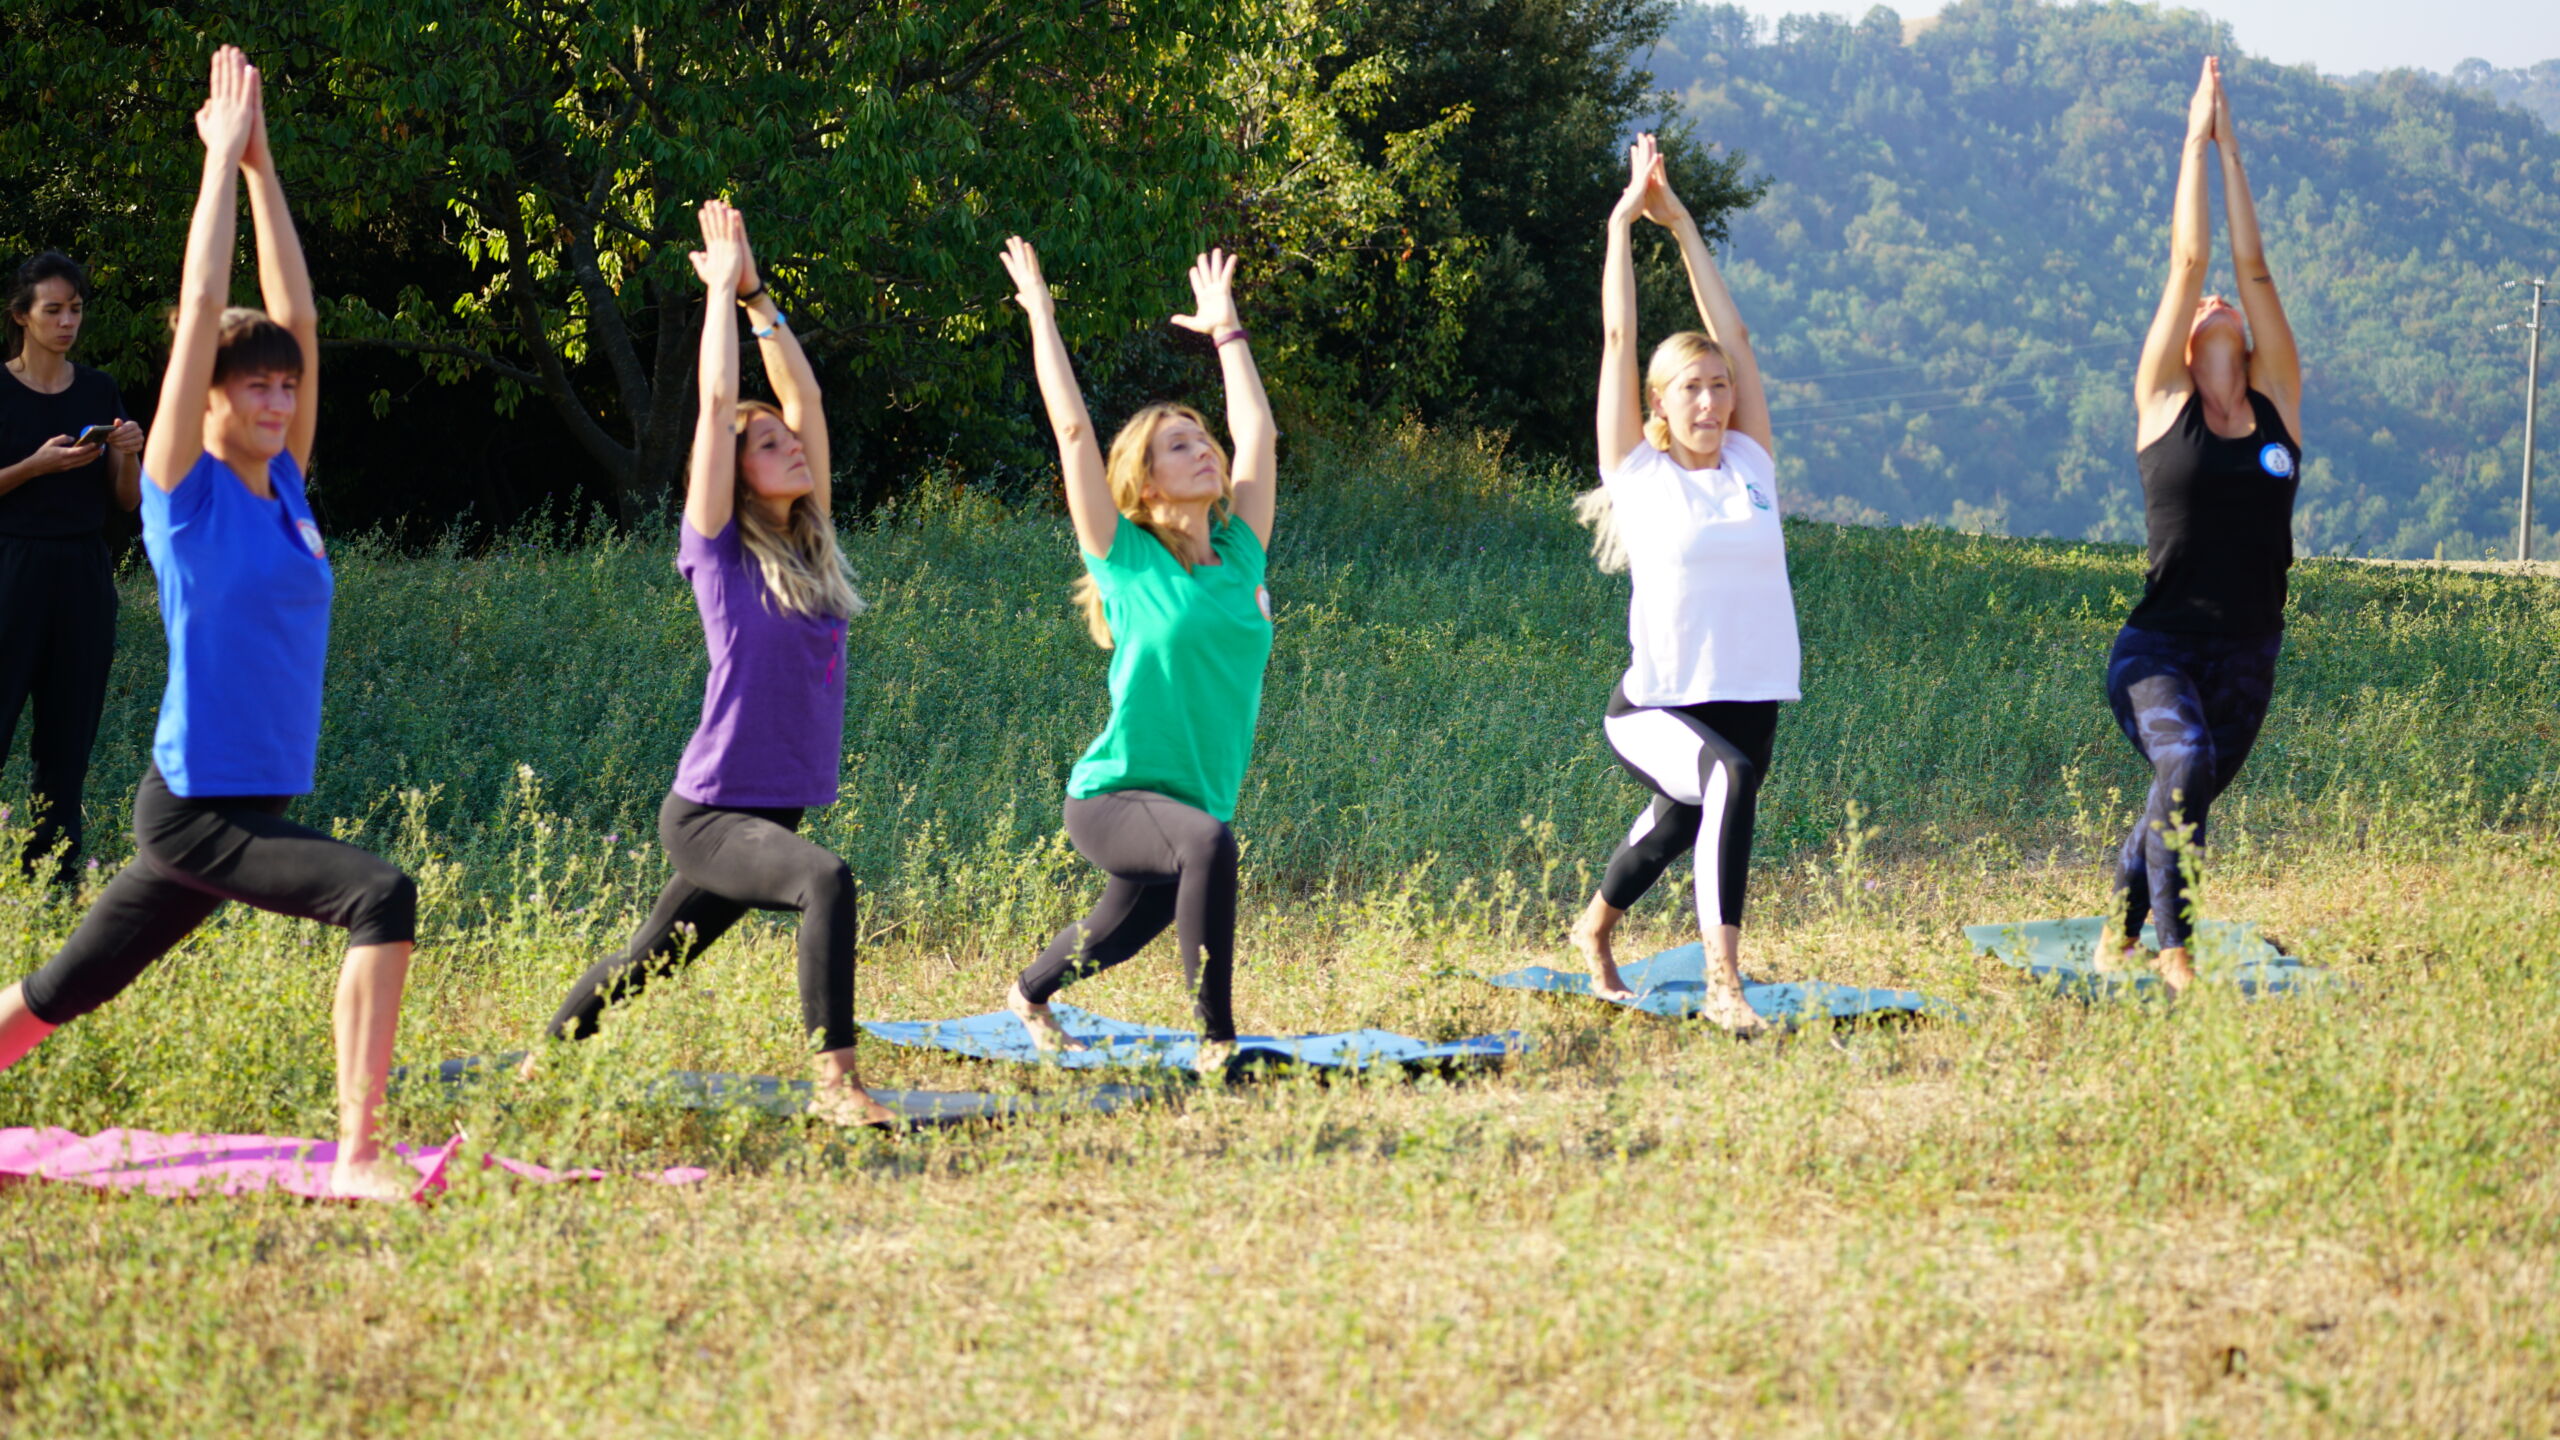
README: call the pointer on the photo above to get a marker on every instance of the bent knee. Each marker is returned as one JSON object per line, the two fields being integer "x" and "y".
{"x": 1208, "y": 842}
{"x": 826, "y": 880}
{"x": 386, "y": 910}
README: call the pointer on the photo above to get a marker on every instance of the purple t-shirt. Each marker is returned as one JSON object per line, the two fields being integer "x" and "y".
{"x": 772, "y": 731}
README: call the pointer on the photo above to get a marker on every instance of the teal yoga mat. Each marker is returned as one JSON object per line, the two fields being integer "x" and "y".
{"x": 2226, "y": 952}
{"x": 1674, "y": 983}
{"x": 717, "y": 1090}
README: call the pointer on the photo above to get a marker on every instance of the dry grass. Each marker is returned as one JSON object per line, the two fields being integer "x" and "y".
{"x": 2310, "y": 1216}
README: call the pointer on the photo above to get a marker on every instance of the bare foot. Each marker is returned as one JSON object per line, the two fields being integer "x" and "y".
{"x": 1209, "y": 1061}
{"x": 383, "y": 1177}
{"x": 1047, "y": 1035}
{"x": 2114, "y": 954}
{"x": 526, "y": 1070}
{"x": 848, "y": 1106}
{"x": 1728, "y": 1011}
{"x": 1592, "y": 943}
{"x": 2175, "y": 970}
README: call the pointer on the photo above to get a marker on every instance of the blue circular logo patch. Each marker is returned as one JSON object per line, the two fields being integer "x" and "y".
{"x": 2276, "y": 460}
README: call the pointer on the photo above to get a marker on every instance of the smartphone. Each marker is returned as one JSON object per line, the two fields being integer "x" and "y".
{"x": 95, "y": 435}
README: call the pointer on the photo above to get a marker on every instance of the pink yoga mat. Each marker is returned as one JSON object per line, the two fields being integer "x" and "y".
{"x": 158, "y": 1164}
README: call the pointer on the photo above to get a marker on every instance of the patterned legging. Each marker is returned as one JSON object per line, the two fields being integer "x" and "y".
{"x": 2191, "y": 705}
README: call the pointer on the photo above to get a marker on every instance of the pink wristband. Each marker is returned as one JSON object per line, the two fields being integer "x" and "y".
{"x": 1237, "y": 333}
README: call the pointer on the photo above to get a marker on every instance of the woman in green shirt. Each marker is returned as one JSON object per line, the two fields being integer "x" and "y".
{"x": 1173, "y": 543}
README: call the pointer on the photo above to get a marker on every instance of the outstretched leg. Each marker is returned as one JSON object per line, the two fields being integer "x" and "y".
{"x": 196, "y": 854}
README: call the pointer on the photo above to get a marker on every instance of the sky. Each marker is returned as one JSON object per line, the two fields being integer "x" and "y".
{"x": 2342, "y": 37}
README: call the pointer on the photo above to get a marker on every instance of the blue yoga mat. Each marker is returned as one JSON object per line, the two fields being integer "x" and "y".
{"x": 998, "y": 1035}
{"x": 1674, "y": 983}
{"x": 717, "y": 1090}
{"x": 2226, "y": 952}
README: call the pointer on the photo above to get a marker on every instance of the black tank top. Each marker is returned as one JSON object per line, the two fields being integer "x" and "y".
{"x": 2219, "y": 514}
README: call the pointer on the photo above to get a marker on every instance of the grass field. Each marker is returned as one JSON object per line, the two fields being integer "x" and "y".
{"x": 2333, "y": 1214}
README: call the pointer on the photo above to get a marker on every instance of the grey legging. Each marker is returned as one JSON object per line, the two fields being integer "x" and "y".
{"x": 1168, "y": 862}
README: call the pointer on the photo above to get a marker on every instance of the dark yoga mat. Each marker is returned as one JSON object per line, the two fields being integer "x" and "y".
{"x": 998, "y": 1035}
{"x": 2226, "y": 952}
{"x": 919, "y": 1109}
{"x": 1674, "y": 983}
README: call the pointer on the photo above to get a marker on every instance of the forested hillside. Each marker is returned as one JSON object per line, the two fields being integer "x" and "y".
{"x": 1964, "y": 234}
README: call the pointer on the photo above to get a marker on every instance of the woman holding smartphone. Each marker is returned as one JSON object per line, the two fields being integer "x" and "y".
{"x": 67, "y": 449}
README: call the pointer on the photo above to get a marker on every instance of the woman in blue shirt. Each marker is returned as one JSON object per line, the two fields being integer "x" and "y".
{"x": 245, "y": 587}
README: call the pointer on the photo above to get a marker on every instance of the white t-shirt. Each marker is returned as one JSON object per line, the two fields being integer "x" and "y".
{"x": 1713, "y": 617}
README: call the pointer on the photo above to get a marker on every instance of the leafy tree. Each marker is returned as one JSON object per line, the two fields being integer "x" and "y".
{"x": 1430, "y": 177}
{"x": 527, "y": 171}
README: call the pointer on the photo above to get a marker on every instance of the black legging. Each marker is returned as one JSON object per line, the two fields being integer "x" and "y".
{"x": 195, "y": 854}
{"x": 1168, "y": 862}
{"x": 57, "y": 640}
{"x": 728, "y": 862}
{"x": 1704, "y": 763}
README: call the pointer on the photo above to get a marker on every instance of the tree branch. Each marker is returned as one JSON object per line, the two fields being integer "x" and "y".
{"x": 481, "y": 358}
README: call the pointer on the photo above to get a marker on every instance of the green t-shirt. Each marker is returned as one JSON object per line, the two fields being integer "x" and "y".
{"x": 1188, "y": 651}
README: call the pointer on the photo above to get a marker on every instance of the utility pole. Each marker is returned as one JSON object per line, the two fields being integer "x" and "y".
{"x": 2532, "y": 388}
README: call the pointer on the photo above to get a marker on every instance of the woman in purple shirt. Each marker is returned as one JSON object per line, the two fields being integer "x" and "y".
{"x": 760, "y": 548}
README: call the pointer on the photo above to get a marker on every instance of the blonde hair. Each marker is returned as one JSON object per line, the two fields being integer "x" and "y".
{"x": 804, "y": 571}
{"x": 1592, "y": 507}
{"x": 1130, "y": 467}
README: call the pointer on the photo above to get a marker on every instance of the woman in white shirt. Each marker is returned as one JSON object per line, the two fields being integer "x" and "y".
{"x": 1688, "y": 505}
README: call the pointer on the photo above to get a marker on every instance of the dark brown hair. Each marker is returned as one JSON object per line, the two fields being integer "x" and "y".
{"x": 252, "y": 344}
{"x": 50, "y": 265}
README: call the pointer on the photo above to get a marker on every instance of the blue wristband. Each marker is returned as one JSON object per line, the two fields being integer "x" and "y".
{"x": 766, "y": 332}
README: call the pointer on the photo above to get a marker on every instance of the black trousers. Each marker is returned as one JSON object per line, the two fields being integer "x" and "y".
{"x": 729, "y": 862}
{"x": 196, "y": 854}
{"x": 1169, "y": 863}
{"x": 57, "y": 641}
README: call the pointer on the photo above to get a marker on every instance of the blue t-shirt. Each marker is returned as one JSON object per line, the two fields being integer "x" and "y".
{"x": 244, "y": 598}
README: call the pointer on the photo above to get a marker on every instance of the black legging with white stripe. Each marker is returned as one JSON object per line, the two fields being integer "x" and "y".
{"x": 1704, "y": 764}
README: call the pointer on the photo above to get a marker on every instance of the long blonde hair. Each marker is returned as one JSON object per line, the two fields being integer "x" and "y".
{"x": 1131, "y": 466}
{"x": 804, "y": 571}
{"x": 1592, "y": 507}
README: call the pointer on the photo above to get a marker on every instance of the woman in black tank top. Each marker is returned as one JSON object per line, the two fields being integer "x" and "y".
{"x": 2218, "y": 417}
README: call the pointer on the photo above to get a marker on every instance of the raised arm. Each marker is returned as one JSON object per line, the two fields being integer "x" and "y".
{"x": 224, "y": 123}
{"x": 1089, "y": 505}
{"x": 711, "y": 483}
{"x": 284, "y": 278}
{"x": 2275, "y": 365}
{"x": 1621, "y": 417}
{"x": 1249, "y": 423}
{"x": 1716, "y": 309}
{"x": 2160, "y": 380}
{"x": 795, "y": 384}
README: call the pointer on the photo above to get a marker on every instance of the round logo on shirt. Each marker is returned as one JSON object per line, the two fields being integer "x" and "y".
{"x": 1758, "y": 500}
{"x": 1262, "y": 597}
{"x": 311, "y": 539}
{"x": 2276, "y": 460}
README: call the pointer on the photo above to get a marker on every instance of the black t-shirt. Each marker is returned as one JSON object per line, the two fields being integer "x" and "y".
{"x": 67, "y": 502}
{"x": 2219, "y": 513}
